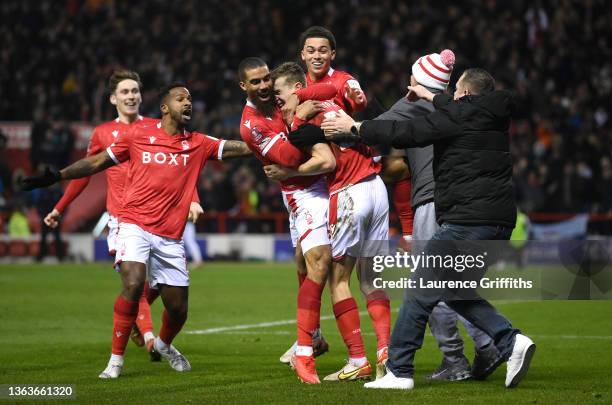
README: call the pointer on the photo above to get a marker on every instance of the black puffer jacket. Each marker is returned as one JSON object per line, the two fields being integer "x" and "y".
{"x": 472, "y": 164}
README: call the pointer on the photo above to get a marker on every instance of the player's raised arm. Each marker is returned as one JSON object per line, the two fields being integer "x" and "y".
{"x": 233, "y": 149}
{"x": 81, "y": 168}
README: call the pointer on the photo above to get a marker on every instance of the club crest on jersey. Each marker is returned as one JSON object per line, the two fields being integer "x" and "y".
{"x": 185, "y": 145}
{"x": 247, "y": 124}
{"x": 115, "y": 133}
{"x": 152, "y": 139}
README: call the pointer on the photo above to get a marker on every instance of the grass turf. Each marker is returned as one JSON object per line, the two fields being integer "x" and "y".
{"x": 55, "y": 327}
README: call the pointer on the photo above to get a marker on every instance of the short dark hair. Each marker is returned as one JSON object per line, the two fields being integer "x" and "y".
{"x": 252, "y": 62}
{"x": 318, "y": 32}
{"x": 165, "y": 91}
{"x": 479, "y": 81}
{"x": 120, "y": 75}
{"x": 291, "y": 71}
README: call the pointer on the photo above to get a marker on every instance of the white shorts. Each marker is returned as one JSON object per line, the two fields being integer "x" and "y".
{"x": 113, "y": 233}
{"x": 359, "y": 219}
{"x": 308, "y": 215}
{"x": 164, "y": 257}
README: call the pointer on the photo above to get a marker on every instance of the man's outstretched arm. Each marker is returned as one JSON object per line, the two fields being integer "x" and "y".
{"x": 81, "y": 168}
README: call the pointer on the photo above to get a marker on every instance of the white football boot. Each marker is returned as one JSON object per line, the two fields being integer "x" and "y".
{"x": 176, "y": 360}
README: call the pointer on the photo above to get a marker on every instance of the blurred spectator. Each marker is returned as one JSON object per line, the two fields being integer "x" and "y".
{"x": 56, "y": 146}
{"x": 44, "y": 200}
{"x": 18, "y": 223}
{"x": 5, "y": 173}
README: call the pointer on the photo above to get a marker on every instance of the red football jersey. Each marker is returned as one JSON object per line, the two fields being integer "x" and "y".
{"x": 163, "y": 171}
{"x": 353, "y": 161}
{"x": 341, "y": 81}
{"x": 267, "y": 138}
{"x": 103, "y": 135}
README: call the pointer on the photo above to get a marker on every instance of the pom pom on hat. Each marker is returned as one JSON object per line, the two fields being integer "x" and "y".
{"x": 448, "y": 58}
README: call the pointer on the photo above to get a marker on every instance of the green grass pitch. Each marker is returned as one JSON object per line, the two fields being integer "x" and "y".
{"x": 56, "y": 320}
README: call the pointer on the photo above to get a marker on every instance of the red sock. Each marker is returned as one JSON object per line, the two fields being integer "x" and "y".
{"x": 301, "y": 277}
{"x": 123, "y": 319}
{"x": 379, "y": 309}
{"x": 152, "y": 293}
{"x": 308, "y": 311}
{"x": 347, "y": 319}
{"x": 143, "y": 319}
{"x": 170, "y": 327}
{"x": 403, "y": 204}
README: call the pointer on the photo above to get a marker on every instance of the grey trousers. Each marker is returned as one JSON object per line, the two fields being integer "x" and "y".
{"x": 443, "y": 320}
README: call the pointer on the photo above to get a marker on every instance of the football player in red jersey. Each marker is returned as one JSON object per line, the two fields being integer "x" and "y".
{"x": 125, "y": 94}
{"x": 164, "y": 163}
{"x": 318, "y": 50}
{"x": 358, "y": 216}
{"x": 306, "y": 197}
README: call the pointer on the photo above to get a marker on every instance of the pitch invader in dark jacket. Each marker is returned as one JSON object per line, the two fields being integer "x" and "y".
{"x": 474, "y": 201}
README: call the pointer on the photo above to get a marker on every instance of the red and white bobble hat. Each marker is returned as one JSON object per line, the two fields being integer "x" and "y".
{"x": 434, "y": 70}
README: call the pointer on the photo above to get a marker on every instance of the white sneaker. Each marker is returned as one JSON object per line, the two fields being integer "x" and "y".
{"x": 286, "y": 357}
{"x": 519, "y": 360}
{"x": 176, "y": 360}
{"x": 391, "y": 382}
{"x": 112, "y": 370}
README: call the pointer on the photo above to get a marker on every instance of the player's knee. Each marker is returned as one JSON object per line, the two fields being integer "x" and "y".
{"x": 132, "y": 289}
{"x": 339, "y": 274}
{"x": 178, "y": 312}
{"x": 322, "y": 260}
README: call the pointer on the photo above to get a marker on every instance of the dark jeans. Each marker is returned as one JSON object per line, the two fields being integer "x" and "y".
{"x": 407, "y": 336}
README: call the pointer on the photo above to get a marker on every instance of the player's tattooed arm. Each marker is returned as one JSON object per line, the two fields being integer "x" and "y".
{"x": 87, "y": 166}
{"x": 235, "y": 149}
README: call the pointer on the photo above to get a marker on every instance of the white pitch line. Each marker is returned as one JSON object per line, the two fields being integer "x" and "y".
{"x": 223, "y": 329}
{"x": 594, "y": 337}
{"x": 254, "y": 325}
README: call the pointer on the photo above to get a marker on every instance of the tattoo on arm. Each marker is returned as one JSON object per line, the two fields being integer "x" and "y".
{"x": 87, "y": 166}
{"x": 235, "y": 149}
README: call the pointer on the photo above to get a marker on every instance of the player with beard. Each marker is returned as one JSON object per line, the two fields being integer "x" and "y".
{"x": 358, "y": 215}
{"x": 306, "y": 197}
{"x": 164, "y": 164}
{"x": 125, "y": 94}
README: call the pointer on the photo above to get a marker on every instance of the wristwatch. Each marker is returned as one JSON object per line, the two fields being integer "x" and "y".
{"x": 355, "y": 128}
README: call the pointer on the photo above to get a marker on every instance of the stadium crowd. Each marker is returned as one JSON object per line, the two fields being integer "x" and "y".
{"x": 56, "y": 58}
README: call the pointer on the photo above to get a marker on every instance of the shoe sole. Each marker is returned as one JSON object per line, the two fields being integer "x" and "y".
{"x": 524, "y": 367}
{"x": 307, "y": 382}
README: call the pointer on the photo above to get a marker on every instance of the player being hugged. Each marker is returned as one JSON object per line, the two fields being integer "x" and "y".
{"x": 358, "y": 226}
{"x": 164, "y": 163}
{"x": 264, "y": 129}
